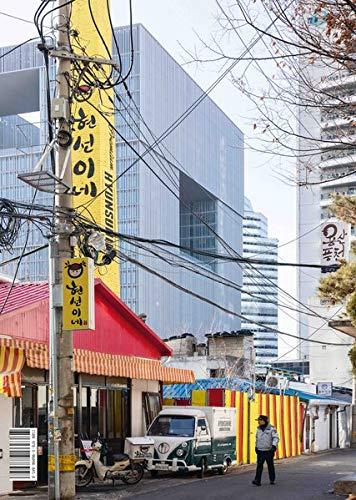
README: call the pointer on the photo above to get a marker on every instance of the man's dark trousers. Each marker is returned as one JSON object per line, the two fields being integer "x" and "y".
{"x": 262, "y": 457}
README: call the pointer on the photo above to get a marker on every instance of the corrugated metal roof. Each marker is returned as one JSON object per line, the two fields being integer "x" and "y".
{"x": 118, "y": 329}
{"x": 184, "y": 391}
{"x": 22, "y": 295}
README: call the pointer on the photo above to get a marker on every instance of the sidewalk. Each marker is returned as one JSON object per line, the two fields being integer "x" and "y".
{"x": 299, "y": 475}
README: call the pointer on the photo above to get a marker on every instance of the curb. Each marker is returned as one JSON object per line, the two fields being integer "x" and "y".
{"x": 346, "y": 485}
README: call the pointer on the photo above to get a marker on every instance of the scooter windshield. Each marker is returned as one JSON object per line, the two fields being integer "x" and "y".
{"x": 172, "y": 425}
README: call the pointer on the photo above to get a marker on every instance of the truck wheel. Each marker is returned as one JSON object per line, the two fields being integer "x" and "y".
{"x": 154, "y": 473}
{"x": 223, "y": 470}
{"x": 203, "y": 467}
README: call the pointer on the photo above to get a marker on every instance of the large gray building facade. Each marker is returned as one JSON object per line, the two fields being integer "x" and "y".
{"x": 201, "y": 162}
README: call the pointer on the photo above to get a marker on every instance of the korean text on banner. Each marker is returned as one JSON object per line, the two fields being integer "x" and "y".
{"x": 335, "y": 244}
{"x": 78, "y": 294}
{"x": 94, "y": 145}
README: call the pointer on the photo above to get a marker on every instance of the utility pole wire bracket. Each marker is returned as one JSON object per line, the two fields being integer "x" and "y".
{"x": 64, "y": 54}
{"x": 45, "y": 180}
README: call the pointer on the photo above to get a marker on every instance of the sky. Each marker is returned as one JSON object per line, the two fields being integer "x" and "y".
{"x": 178, "y": 25}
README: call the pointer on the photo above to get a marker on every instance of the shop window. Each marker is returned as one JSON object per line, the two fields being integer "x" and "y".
{"x": 26, "y": 407}
{"x": 92, "y": 412}
{"x": 105, "y": 411}
{"x": 151, "y": 406}
{"x": 42, "y": 403}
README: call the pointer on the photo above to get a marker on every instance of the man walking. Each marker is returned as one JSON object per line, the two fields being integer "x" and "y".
{"x": 266, "y": 445}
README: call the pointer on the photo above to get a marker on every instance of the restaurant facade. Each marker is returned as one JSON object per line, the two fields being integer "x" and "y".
{"x": 118, "y": 374}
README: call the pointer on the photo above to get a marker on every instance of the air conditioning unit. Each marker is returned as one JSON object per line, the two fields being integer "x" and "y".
{"x": 276, "y": 381}
{"x": 272, "y": 381}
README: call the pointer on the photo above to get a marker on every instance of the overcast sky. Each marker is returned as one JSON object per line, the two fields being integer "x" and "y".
{"x": 175, "y": 23}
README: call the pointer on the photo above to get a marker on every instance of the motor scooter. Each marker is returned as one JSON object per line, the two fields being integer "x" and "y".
{"x": 91, "y": 466}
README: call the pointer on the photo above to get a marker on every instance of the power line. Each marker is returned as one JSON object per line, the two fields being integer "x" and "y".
{"x": 220, "y": 239}
{"x": 26, "y": 254}
{"x": 17, "y": 47}
{"x": 141, "y": 156}
{"x": 16, "y": 17}
{"x": 189, "y": 110}
{"x": 215, "y": 304}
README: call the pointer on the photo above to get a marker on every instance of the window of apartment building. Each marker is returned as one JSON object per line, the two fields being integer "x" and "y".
{"x": 217, "y": 373}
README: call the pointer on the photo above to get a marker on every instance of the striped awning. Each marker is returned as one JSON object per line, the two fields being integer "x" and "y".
{"x": 109, "y": 365}
{"x": 96, "y": 363}
{"x": 12, "y": 359}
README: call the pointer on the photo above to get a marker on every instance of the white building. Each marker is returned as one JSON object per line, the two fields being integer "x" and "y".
{"x": 259, "y": 299}
{"x": 332, "y": 148}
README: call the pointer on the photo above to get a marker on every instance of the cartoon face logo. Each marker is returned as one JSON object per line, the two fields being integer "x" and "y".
{"x": 75, "y": 270}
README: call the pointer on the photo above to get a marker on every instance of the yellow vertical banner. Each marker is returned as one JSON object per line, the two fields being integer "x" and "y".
{"x": 299, "y": 428}
{"x": 227, "y": 398}
{"x": 238, "y": 406}
{"x": 264, "y": 404}
{"x": 78, "y": 294}
{"x": 198, "y": 397}
{"x": 254, "y": 413}
{"x": 246, "y": 432}
{"x": 286, "y": 424}
{"x": 94, "y": 144}
{"x": 293, "y": 401}
{"x": 279, "y": 426}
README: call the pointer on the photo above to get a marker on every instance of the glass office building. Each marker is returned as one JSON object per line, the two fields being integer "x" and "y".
{"x": 197, "y": 168}
{"x": 260, "y": 284}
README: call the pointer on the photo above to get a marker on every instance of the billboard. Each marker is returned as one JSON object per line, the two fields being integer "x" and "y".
{"x": 94, "y": 144}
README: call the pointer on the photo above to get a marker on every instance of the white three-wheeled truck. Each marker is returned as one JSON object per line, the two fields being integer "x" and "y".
{"x": 193, "y": 438}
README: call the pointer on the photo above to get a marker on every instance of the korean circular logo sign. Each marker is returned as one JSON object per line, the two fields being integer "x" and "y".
{"x": 163, "y": 448}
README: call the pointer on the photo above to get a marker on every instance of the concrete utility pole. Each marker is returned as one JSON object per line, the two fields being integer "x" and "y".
{"x": 61, "y": 428}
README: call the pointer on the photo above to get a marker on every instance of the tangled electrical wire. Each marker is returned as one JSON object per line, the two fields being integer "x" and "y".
{"x": 10, "y": 225}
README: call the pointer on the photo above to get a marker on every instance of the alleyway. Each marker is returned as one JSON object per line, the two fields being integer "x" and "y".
{"x": 303, "y": 478}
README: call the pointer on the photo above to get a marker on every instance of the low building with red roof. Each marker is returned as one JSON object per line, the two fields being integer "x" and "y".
{"x": 117, "y": 368}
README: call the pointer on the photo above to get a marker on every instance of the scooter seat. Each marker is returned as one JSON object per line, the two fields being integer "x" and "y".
{"x": 120, "y": 457}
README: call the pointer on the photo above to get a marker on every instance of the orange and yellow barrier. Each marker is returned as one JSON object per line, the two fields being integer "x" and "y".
{"x": 284, "y": 413}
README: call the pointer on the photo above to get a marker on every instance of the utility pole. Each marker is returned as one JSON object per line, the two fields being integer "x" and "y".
{"x": 61, "y": 428}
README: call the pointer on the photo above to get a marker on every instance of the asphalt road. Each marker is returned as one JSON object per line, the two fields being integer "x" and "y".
{"x": 303, "y": 478}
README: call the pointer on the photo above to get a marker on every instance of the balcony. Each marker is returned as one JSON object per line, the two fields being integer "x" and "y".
{"x": 346, "y": 139}
{"x": 344, "y": 181}
{"x": 336, "y": 123}
{"x": 341, "y": 79}
{"x": 339, "y": 162}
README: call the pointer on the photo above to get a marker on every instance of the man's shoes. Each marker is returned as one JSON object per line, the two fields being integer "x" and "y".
{"x": 272, "y": 482}
{"x": 256, "y": 483}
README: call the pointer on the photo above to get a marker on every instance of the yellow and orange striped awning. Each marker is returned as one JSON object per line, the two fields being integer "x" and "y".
{"x": 12, "y": 359}
{"x": 109, "y": 365}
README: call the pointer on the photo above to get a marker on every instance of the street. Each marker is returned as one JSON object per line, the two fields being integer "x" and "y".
{"x": 306, "y": 477}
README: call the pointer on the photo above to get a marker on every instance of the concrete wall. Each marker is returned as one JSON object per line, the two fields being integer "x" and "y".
{"x": 238, "y": 346}
{"x": 202, "y": 365}
{"x": 199, "y": 365}
{"x": 183, "y": 345}
{"x": 328, "y": 363}
{"x": 336, "y": 421}
{"x": 137, "y": 417}
{"x": 6, "y": 423}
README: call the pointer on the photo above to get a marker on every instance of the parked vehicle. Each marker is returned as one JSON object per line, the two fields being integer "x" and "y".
{"x": 91, "y": 466}
{"x": 193, "y": 438}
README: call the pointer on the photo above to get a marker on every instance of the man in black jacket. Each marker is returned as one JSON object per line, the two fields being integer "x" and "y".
{"x": 266, "y": 445}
